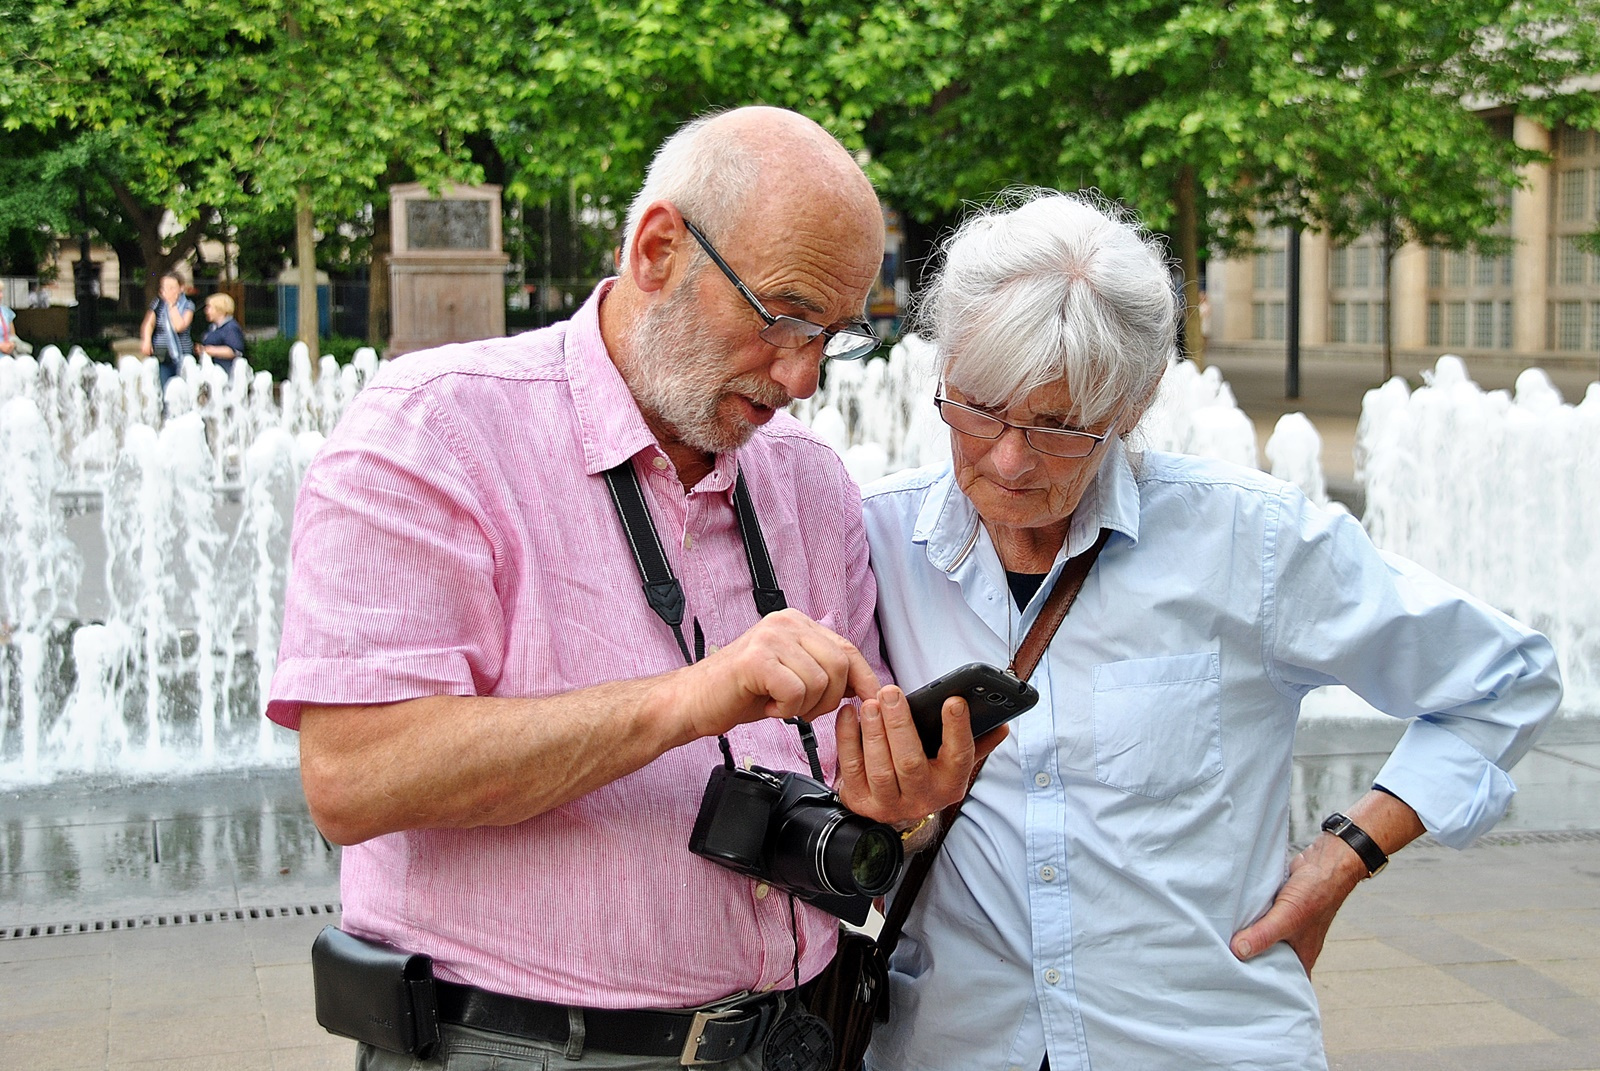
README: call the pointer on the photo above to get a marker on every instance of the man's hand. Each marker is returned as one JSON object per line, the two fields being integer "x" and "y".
{"x": 884, "y": 773}
{"x": 1320, "y": 878}
{"x": 786, "y": 666}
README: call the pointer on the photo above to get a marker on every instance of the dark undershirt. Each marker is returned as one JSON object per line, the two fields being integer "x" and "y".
{"x": 1023, "y": 585}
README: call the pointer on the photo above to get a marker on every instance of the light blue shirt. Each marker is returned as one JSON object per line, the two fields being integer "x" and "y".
{"x": 1139, "y": 815}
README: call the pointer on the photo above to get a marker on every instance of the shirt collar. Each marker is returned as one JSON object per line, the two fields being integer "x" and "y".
{"x": 948, "y": 523}
{"x": 609, "y": 420}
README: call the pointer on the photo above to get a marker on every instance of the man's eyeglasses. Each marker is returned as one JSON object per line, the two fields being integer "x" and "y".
{"x": 1057, "y": 442}
{"x": 850, "y": 343}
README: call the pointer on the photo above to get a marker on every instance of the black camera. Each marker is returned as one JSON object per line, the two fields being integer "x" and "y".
{"x": 791, "y": 830}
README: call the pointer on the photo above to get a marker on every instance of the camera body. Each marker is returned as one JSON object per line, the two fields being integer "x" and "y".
{"x": 790, "y": 830}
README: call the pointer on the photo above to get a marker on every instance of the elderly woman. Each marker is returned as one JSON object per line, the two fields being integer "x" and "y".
{"x": 1117, "y": 891}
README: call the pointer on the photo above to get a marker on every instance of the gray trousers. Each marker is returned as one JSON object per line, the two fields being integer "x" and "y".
{"x": 463, "y": 1048}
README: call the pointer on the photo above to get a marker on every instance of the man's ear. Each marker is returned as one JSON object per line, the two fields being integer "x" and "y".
{"x": 656, "y": 258}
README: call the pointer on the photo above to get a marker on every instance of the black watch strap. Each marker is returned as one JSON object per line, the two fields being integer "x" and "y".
{"x": 1372, "y": 856}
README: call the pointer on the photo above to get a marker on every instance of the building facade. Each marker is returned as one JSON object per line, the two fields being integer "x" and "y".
{"x": 1538, "y": 305}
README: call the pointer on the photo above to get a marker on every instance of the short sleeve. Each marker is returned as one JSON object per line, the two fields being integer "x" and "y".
{"x": 393, "y": 579}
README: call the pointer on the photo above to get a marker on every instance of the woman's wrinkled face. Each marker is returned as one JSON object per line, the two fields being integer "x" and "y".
{"x": 1013, "y": 485}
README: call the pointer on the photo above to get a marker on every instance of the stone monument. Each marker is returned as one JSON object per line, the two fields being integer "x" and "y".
{"x": 446, "y": 268}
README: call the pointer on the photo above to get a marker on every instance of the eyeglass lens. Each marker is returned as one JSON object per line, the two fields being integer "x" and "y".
{"x": 1057, "y": 442}
{"x": 790, "y": 332}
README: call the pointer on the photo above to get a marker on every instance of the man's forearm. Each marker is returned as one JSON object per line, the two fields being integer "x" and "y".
{"x": 459, "y": 761}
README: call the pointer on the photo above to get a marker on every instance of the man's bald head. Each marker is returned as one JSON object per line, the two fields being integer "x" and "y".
{"x": 724, "y": 168}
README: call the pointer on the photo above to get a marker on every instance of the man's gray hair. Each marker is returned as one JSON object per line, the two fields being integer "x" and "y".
{"x": 705, "y": 169}
{"x": 1043, "y": 286}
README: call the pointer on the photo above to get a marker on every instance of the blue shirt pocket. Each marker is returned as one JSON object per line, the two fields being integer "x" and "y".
{"x": 1157, "y": 723}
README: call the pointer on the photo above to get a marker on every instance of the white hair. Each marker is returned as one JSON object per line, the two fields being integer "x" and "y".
{"x": 707, "y": 170}
{"x": 1042, "y": 287}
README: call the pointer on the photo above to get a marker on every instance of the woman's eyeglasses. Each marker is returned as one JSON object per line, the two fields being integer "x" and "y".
{"x": 1057, "y": 442}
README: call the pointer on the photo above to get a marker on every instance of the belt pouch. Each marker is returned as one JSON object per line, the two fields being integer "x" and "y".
{"x": 375, "y": 993}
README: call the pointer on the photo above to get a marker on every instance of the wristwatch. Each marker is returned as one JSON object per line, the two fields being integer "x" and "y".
{"x": 1371, "y": 855}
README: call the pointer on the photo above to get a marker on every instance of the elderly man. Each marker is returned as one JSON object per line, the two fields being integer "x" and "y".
{"x": 492, "y": 714}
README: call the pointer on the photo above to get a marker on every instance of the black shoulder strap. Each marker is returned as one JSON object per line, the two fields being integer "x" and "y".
{"x": 764, "y": 582}
{"x": 661, "y": 589}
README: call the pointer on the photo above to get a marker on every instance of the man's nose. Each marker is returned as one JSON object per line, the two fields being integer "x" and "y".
{"x": 799, "y": 371}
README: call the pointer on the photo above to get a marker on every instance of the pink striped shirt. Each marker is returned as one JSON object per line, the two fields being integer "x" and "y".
{"x": 455, "y": 536}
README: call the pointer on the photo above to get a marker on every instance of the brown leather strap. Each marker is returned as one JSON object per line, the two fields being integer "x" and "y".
{"x": 1054, "y": 610}
{"x": 1034, "y": 644}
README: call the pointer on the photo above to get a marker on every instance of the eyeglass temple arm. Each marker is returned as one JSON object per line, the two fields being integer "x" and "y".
{"x": 749, "y": 295}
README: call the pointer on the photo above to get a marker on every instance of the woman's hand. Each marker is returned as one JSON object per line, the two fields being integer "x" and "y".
{"x": 884, "y": 773}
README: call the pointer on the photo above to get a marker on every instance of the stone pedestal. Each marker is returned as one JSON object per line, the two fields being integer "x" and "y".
{"x": 446, "y": 268}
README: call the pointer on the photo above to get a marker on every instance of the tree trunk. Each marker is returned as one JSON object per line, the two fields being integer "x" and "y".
{"x": 1388, "y": 298}
{"x": 1187, "y": 226}
{"x": 378, "y": 279}
{"x": 305, "y": 244}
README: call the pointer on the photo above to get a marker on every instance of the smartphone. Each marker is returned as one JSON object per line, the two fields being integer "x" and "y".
{"x": 993, "y": 696}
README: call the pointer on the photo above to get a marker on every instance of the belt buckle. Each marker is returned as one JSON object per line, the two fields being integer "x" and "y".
{"x": 690, "y": 1057}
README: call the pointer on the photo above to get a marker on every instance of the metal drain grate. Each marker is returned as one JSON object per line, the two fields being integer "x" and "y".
{"x": 1553, "y": 836}
{"x": 179, "y": 918}
{"x": 1508, "y": 838}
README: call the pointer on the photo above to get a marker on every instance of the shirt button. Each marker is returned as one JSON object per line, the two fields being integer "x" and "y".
{"x": 688, "y": 541}
{"x": 660, "y": 463}
{"x": 1052, "y": 977}
{"x": 1047, "y": 873}
{"x": 1042, "y": 780}
{"x": 762, "y": 890}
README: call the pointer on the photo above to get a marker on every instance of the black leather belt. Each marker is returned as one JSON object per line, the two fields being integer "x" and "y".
{"x": 695, "y": 1037}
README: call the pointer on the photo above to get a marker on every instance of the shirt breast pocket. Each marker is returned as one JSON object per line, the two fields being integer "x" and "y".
{"x": 1157, "y": 723}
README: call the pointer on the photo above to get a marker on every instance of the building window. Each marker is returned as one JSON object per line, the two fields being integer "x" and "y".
{"x": 1505, "y": 325}
{"x": 1278, "y": 264}
{"x": 1573, "y": 195}
{"x": 1361, "y": 330}
{"x": 1258, "y": 320}
{"x": 1569, "y": 325}
{"x": 1435, "y": 268}
{"x": 1258, "y": 272}
{"x": 1506, "y": 263}
{"x": 1483, "y": 324}
{"x": 1380, "y": 325}
{"x": 1571, "y": 262}
{"x": 1363, "y": 266}
{"x": 1435, "y": 325}
{"x": 1455, "y": 324}
{"x": 1341, "y": 267}
{"x": 1278, "y": 318}
{"x": 1483, "y": 270}
{"x": 1458, "y": 269}
{"x": 1574, "y": 141}
{"x": 1338, "y": 327}
{"x": 1594, "y": 325}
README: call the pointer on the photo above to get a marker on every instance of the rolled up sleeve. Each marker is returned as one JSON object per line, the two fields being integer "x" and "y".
{"x": 1477, "y": 686}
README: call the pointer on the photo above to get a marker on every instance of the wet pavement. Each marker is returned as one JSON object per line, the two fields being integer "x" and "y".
{"x": 169, "y": 926}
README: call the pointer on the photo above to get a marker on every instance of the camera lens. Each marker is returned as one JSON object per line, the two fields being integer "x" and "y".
{"x": 875, "y": 862}
{"x": 856, "y": 856}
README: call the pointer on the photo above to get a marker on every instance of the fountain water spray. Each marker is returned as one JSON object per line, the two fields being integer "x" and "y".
{"x": 155, "y": 659}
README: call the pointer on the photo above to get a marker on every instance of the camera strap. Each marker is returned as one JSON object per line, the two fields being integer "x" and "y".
{"x": 661, "y": 589}
{"x": 665, "y": 594}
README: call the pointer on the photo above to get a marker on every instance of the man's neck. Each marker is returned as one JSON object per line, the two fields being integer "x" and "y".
{"x": 692, "y": 465}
